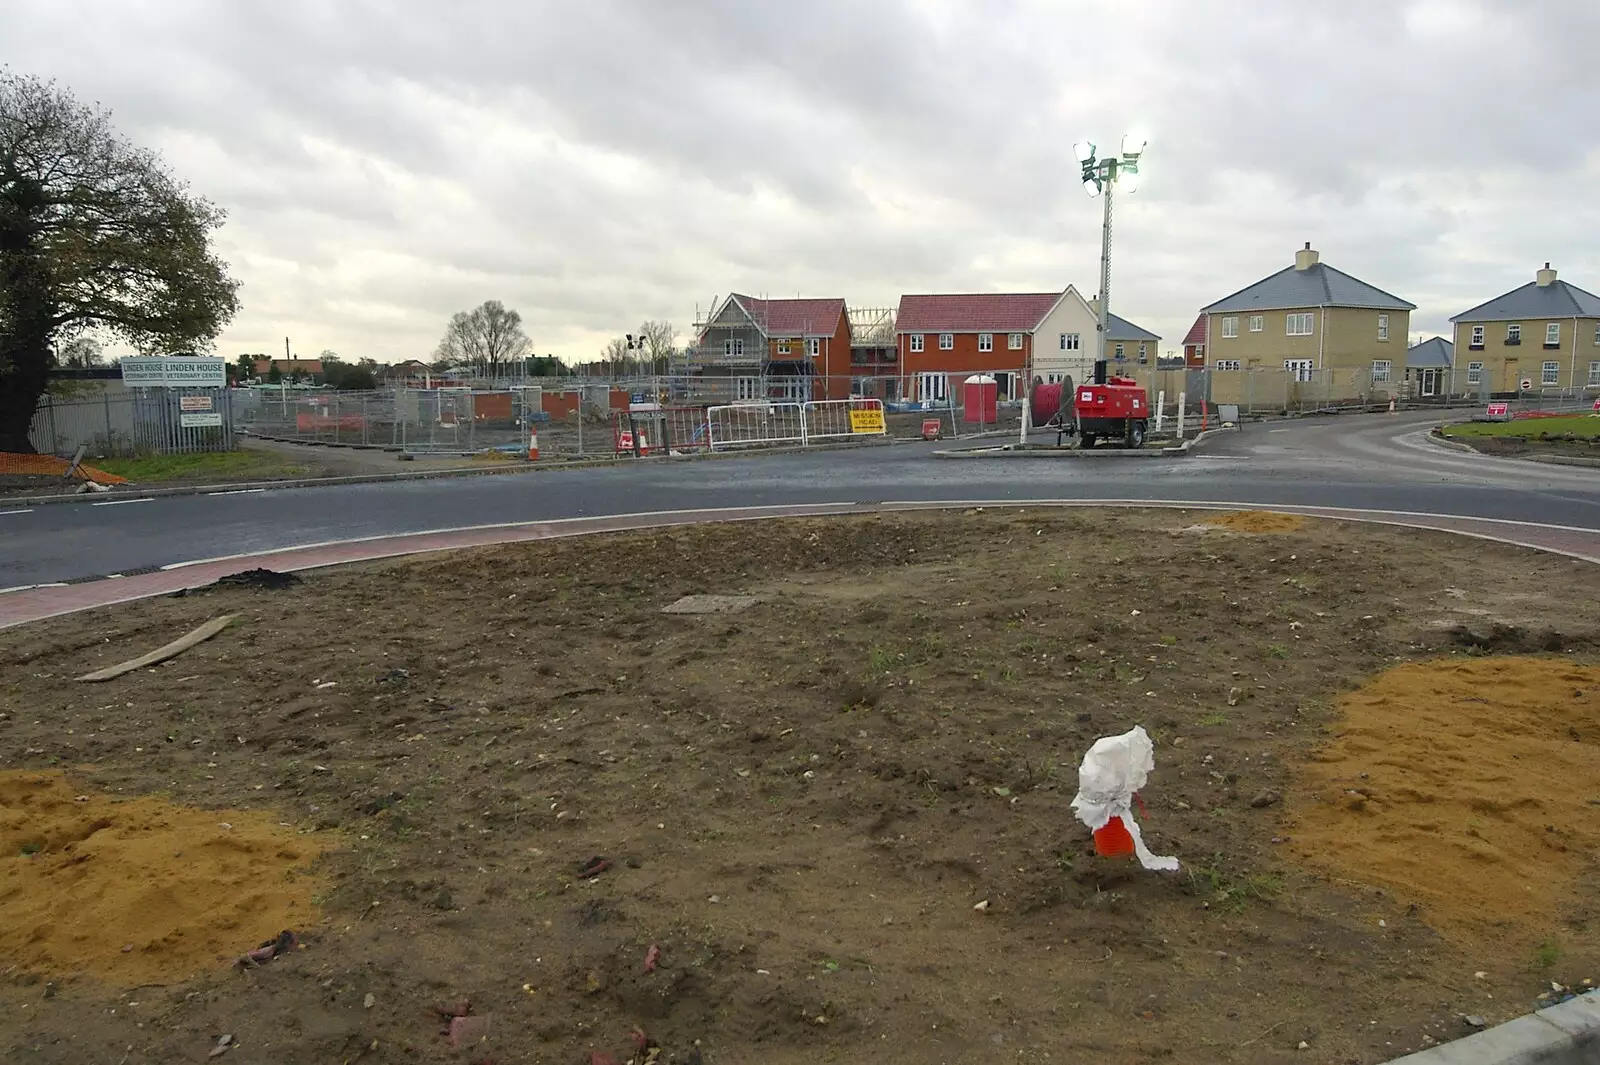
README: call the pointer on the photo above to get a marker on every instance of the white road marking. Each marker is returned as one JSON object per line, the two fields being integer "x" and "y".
{"x": 1280, "y": 430}
{"x": 121, "y": 502}
{"x": 3, "y": 513}
{"x": 237, "y": 492}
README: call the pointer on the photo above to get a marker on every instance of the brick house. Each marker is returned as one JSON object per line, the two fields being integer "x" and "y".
{"x": 1545, "y": 333}
{"x": 790, "y": 349}
{"x": 942, "y": 339}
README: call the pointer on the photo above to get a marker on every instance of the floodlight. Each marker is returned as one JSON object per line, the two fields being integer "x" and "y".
{"x": 1128, "y": 177}
{"x": 1091, "y": 186}
{"x": 1084, "y": 150}
{"x": 1133, "y": 145}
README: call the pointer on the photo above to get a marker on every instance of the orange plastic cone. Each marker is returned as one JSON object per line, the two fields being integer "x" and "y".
{"x": 533, "y": 445}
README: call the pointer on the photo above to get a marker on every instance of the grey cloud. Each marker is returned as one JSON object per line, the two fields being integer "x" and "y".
{"x": 598, "y": 163}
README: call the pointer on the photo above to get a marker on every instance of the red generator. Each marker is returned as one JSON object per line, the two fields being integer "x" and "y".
{"x": 1113, "y": 407}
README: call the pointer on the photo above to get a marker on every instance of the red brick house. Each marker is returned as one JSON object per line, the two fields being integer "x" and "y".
{"x": 775, "y": 349}
{"x": 1194, "y": 345}
{"x": 940, "y": 340}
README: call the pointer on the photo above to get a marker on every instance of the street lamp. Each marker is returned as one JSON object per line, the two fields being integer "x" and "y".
{"x": 1100, "y": 176}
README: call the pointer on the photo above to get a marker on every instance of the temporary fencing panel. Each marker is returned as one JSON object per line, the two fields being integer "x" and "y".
{"x": 756, "y": 424}
{"x": 839, "y": 419}
{"x": 652, "y": 430}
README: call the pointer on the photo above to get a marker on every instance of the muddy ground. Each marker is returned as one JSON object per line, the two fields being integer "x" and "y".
{"x": 801, "y": 805}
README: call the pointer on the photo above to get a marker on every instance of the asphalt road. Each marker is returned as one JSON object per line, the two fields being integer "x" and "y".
{"x": 1378, "y": 462}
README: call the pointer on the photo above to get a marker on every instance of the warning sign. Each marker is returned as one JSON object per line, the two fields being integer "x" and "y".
{"x": 869, "y": 420}
{"x": 194, "y": 402}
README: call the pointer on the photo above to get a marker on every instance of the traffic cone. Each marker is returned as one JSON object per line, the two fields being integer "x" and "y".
{"x": 533, "y": 445}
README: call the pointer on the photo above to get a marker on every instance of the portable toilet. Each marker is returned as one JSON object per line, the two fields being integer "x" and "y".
{"x": 980, "y": 399}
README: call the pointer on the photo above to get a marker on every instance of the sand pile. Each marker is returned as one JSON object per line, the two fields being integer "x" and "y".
{"x": 140, "y": 891}
{"x": 1258, "y": 521}
{"x": 1463, "y": 785}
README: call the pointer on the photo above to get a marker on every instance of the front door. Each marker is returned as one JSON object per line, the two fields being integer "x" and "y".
{"x": 931, "y": 388}
{"x": 1509, "y": 381}
{"x": 1430, "y": 382}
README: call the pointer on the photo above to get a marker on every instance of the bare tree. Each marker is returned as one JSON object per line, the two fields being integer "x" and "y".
{"x": 654, "y": 344}
{"x": 95, "y": 234}
{"x": 80, "y": 353}
{"x": 486, "y": 338}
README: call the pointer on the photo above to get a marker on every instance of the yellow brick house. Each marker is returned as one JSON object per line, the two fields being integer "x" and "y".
{"x": 1544, "y": 335}
{"x": 1308, "y": 333}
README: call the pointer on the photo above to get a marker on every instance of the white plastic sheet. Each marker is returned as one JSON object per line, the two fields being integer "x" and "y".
{"x": 1115, "y": 768}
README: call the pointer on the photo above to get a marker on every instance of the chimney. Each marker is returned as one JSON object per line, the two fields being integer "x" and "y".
{"x": 1545, "y": 277}
{"x": 1305, "y": 258}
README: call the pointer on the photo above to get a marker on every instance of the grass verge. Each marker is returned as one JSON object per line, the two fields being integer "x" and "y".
{"x": 1578, "y": 425}
{"x": 156, "y": 469}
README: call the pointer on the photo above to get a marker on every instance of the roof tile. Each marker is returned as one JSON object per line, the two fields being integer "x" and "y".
{"x": 1556, "y": 300}
{"x": 986, "y": 312}
{"x": 1320, "y": 285}
{"x": 794, "y": 318}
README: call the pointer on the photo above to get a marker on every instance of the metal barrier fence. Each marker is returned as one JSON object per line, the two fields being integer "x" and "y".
{"x": 842, "y": 419}
{"x": 756, "y": 424}
{"x": 146, "y": 421}
{"x": 660, "y": 430}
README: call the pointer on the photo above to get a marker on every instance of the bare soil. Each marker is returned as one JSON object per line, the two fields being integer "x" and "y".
{"x": 797, "y": 807}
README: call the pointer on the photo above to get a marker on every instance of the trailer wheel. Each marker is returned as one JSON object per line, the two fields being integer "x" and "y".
{"x": 1086, "y": 440}
{"x": 1136, "y": 434}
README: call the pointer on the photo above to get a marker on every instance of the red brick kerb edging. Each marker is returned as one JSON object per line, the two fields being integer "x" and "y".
{"x": 45, "y": 601}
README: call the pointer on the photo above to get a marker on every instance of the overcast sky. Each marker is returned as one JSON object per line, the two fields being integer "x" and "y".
{"x": 595, "y": 163}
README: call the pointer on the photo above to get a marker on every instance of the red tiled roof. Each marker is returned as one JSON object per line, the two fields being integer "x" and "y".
{"x": 1197, "y": 332}
{"x": 794, "y": 318}
{"x": 988, "y": 312}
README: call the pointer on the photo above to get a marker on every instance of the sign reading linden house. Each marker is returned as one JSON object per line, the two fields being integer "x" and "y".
{"x": 174, "y": 371}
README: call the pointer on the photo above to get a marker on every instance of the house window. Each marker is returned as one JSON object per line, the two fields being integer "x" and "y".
{"x": 733, "y": 348}
{"x": 745, "y": 388}
{"x": 1144, "y": 353}
{"x": 1383, "y": 327}
{"x": 1118, "y": 354}
{"x": 931, "y": 387}
{"x": 1070, "y": 342}
{"x": 1594, "y": 375}
{"x": 1053, "y": 378}
{"x": 1299, "y": 325}
{"x": 1552, "y": 335}
{"x": 985, "y": 341}
{"x": 1597, "y": 335}
{"x": 947, "y": 341}
{"x": 813, "y": 346}
{"x": 916, "y": 341}
{"x": 1477, "y": 338}
{"x": 1298, "y": 369}
{"x": 1014, "y": 341}
{"x": 1380, "y": 370}
{"x": 1550, "y": 373}
{"x": 1227, "y": 364}
{"x": 861, "y": 386}
{"x": 1514, "y": 333}
{"x": 1474, "y": 373}
{"x": 1257, "y": 322}
{"x": 1230, "y": 327}
{"x": 783, "y": 347}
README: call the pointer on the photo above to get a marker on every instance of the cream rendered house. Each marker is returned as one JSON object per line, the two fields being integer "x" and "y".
{"x": 1063, "y": 341}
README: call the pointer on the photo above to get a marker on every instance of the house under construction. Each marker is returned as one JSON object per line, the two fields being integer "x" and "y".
{"x": 748, "y": 349}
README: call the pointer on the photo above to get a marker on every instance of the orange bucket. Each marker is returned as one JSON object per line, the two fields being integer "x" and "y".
{"x": 1112, "y": 839}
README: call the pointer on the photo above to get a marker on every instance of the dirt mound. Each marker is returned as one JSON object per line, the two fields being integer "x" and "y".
{"x": 1514, "y": 639}
{"x": 1464, "y": 785}
{"x": 141, "y": 891}
{"x": 270, "y": 580}
{"x": 1258, "y": 521}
